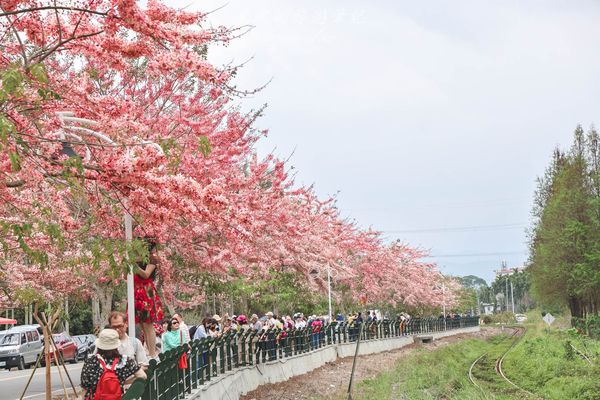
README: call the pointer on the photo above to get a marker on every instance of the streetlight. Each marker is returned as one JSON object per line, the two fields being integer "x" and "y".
{"x": 443, "y": 300}
{"x": 68, "y": 118}
{"x": 314, "y": 273}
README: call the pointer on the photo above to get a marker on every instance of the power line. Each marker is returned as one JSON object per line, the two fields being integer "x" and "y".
{"x": 499, "y": 253}
{"x": 475, "y": 228}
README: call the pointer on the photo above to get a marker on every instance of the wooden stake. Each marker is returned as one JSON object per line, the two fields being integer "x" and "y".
{"x": 46, "y": 332}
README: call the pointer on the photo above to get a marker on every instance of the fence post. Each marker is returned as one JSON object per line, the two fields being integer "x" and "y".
{"x": 251, "y": 351}
{"x": 236, "y": 347}
{"x": 194, "y": 363}
{"x": 151, "y": 390}
{"x": 214, "y": 353}
{"x": 280, "y": 342}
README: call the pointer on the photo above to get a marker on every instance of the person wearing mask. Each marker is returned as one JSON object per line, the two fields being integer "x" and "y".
{"x": 107, "y": 357}
{"x": 130, "y": 347}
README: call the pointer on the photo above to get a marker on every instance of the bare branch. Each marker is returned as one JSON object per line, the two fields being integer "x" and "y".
{"x": 33, "y": 9}
{"x": 12, "y": 27}
{"x": 14, "y": 184}
{"x": 62, "y": 43}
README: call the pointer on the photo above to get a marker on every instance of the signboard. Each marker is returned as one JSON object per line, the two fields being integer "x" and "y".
{"x": 549, "y": 319}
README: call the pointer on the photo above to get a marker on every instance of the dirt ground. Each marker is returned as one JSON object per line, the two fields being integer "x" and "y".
{"x": 333, "y": 377}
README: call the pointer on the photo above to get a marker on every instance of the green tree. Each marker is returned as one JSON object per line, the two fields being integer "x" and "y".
{"x": 519, "y": 290}
{"x": 564, "y": 243}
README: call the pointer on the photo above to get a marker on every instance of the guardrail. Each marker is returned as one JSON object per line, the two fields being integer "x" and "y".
{"x": 209, "y": 357}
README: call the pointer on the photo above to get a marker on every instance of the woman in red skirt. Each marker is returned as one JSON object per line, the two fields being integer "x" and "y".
{"x": 148, "y": 307}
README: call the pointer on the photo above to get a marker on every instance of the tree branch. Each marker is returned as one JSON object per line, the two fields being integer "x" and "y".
{"x": 33, "y": 9}
{"x": 63, "y": 42}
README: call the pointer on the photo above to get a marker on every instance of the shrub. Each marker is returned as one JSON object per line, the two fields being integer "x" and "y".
{"x": 504, "y": 318}
{"x": 569, "y": 353}
{"x": 589, "y": 325}
{"x": 487, "y": 319}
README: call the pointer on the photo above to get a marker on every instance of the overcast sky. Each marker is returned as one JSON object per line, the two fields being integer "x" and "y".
{"x": 431, "y": 119}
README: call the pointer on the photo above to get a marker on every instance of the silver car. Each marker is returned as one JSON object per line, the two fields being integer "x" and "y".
{"x": 20, "y": 347}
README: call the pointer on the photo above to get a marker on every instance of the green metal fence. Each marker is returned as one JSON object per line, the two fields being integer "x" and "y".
{"x": 209, "y": 358}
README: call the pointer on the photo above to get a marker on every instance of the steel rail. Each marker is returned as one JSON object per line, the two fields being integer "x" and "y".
{"x": 471, "y": 377}
{"x": 471, "y": 373}
{"x": 516, "y": 335}
{"x": 517, "y": 339}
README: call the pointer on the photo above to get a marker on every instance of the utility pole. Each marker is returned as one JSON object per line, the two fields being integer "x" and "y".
{"x": 512, "y": 296}
{"x": 67, "y": 316}
{"x": 444, "y": 302}
{"x": 505, "y": 283}
{"x": 329, "y": 290}
{"x": 506, "y": 291}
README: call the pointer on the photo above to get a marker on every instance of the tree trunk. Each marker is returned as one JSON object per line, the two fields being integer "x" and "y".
{"x": 575, "y": 307}
{"x": 243, "y": 304}
{"x": 101, "y": 306}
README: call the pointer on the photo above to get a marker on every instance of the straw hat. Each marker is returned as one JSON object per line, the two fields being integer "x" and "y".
{"x": 108, "y": 339}
{"x": 217, "y": 317}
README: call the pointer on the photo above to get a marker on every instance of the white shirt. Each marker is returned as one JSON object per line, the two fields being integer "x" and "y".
{"x": 301, "y": 324}
{"x": 134, "y": 349}
{"x": 186, "y": 332}
{"x": 200, "y": 332}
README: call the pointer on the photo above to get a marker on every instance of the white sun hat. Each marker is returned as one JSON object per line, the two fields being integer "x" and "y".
{"x": 108, "y": 339}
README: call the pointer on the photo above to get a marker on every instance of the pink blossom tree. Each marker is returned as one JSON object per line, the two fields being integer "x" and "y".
{"x": 143, "y": 76}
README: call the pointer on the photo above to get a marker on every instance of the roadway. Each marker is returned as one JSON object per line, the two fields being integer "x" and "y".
{"x": 13, "y": 382}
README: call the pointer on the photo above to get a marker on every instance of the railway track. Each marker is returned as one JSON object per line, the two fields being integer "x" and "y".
{"x": 480, "y": 369}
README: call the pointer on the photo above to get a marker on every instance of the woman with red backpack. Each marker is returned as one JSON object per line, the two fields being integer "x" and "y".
{"x": 104, "y": 373}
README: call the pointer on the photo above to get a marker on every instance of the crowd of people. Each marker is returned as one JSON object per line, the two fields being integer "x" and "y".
{"x": 127, "y": 357}
{"x": 119, "y": 358}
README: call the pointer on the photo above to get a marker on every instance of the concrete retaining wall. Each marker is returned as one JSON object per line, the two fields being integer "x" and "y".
{"x": 439, "y": 335}
{"x": 233, "y": 384}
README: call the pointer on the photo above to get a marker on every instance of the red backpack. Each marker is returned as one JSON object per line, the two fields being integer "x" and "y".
{"x": 109, "y": 386}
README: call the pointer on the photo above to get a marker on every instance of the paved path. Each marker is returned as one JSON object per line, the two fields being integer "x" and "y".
{"x": 13, "y": 382}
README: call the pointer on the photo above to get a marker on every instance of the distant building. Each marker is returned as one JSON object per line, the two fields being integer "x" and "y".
{"x": 488, "y": 309}
{"x": 508, "y": 271}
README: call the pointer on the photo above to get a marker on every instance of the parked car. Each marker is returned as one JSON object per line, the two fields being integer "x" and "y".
{"x": 65, "y": 346}
{"x": 520, "y": 318}
{"x": 86, "y": 344}
{"x": 20, "y": 347}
